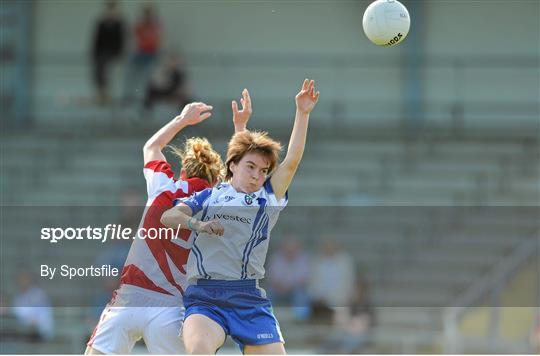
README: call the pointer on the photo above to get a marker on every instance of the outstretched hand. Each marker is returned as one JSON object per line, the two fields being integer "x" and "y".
{"x": 307, "y": 98}
{"x": 194, "y": 113}
{"x": 241, "y": 117}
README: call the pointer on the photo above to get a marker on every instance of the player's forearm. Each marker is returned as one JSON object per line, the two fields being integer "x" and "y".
{"x": 179, "y": 216}
{"x": 165, "y": 135}
{"x": 297, "y": 142}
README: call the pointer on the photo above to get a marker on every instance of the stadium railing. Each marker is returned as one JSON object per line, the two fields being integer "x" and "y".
{"x": 489, "y": 286}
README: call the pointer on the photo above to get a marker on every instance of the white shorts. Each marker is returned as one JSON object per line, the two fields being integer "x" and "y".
{"x": 126, "y": 319}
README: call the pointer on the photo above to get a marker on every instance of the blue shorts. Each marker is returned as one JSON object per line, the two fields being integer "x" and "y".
{"x": 240, "y": 307}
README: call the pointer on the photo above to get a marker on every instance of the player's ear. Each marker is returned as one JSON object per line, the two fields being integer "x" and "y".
{"x": 233, "y": 166}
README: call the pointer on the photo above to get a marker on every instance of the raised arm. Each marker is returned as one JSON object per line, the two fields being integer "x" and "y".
{"x": 241, "y": 117}
{"x": 192, "y": 114}
{"x": 306, "y": 100}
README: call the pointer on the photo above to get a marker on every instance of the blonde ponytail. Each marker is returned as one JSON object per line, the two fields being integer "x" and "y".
{"x": 200, "y": 160}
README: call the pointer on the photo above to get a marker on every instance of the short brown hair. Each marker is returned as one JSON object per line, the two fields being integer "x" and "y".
{"x": 200, "y": 160}
{"x": 252, "y": 142}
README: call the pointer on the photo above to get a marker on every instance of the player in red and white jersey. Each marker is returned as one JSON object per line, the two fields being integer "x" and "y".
{"x": 148, "y": 303}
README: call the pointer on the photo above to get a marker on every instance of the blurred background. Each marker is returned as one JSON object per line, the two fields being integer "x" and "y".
{"x": 419, "y": 187}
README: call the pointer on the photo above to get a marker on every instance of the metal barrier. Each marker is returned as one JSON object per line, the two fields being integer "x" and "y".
{"x": 491, "y": 284}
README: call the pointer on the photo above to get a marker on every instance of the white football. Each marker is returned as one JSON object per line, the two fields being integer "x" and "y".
{"x": 386, "y": 22}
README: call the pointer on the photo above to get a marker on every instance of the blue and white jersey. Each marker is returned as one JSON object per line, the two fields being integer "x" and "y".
{"x": 247, "y": 220}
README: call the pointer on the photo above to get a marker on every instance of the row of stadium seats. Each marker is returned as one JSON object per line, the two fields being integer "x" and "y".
{"x": 365, "y": 173}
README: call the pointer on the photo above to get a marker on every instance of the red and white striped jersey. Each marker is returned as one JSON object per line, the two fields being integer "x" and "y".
{"x": 159, "y": 264}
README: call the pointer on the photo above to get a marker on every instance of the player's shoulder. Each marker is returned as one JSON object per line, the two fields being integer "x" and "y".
{"x": 267, "y": 191}
{"x": 222, "y": 186}
{"x": 196, "y": 184}
{"x": 158, "y": 166}
{"x": 267, "y": 187}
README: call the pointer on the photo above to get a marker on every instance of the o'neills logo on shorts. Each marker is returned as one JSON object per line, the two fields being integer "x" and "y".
{"x": 241, "y": 219}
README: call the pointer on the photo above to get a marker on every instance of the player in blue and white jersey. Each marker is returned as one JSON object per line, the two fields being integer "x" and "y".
{"x": 233, "y": 222}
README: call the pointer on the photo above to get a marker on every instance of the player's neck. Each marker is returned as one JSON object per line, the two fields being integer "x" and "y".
{"x": 237, "y": 188}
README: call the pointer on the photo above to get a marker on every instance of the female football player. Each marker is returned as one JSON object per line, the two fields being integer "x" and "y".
{"x": 233, "y": 222}
{"x": 148, "y": 303}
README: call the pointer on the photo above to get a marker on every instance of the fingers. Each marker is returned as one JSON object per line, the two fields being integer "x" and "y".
{"x": 234, "y": 105}
{"x": 196, "y": 112}
{"x": 204, "y": 107}
{"x": 205, "y": 115}
{"x": 309, "y": 87}
{"x": 246, "y": 100}
{"x": 215, "y": 228}
{"x": 305, "y": 84}
{"x": 200, "y": 107}
{"x": 219, "y": 230}
{"x": 316, "y": 97}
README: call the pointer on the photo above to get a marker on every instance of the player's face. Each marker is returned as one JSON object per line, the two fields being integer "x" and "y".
{"x": 250, "y": 173}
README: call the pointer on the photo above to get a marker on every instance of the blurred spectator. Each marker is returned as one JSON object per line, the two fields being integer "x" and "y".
{"x": 147, "y": 33}
{"x": 332, "y": 276}
{"x": 108, "y": 45}
{"x": 352, "y": 323}
{"x": 288, "y": 277}
{"x": 32, "y": 308}
{"x": 168, "y": 84}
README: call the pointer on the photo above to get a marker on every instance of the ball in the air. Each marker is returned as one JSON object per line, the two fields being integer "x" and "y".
{"x": 386, "y": 22}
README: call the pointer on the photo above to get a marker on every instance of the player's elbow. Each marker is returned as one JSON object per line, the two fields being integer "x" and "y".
{"x": 147, "y": 150}
{"x": 167, "y": 219}
{"x": 150, "y": 145}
